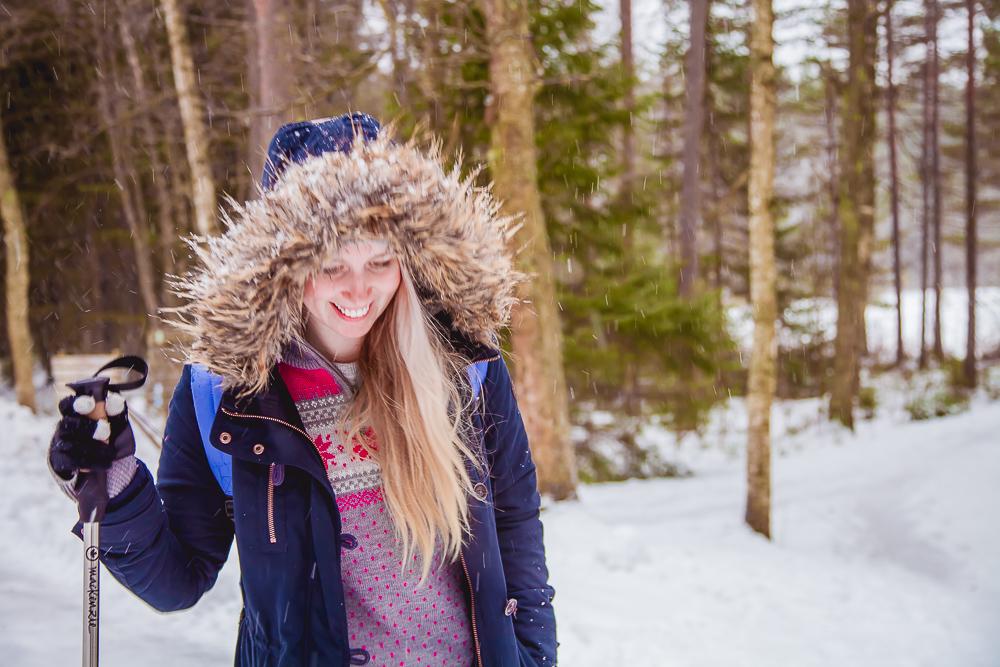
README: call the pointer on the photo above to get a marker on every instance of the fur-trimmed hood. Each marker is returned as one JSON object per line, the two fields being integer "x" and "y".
{"x": 242, "y": 304}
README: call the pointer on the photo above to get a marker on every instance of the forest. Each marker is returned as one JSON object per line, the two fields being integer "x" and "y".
{"x": 756, "y": 231}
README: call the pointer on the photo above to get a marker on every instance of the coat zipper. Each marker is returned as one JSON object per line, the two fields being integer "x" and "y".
{"x": 271, "y": 534}
{"x": 468, "y": 579}
{"x": 472, "y": 609}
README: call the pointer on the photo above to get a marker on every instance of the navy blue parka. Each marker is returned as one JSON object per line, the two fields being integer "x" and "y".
{"x": 166, "y": 542}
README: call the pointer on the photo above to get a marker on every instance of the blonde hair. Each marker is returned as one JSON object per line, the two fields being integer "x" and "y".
{"x": 411, "y": 383}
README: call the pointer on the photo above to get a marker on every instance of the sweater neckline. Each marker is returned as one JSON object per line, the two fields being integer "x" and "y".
{"x": 300, "y": 353}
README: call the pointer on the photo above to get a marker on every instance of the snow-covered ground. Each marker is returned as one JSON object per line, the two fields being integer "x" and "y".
{"x": 885, "y": 548}
{"x": 885, "y": 552}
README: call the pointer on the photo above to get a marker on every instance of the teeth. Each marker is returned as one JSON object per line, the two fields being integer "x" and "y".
{"x": 361, "y": 312}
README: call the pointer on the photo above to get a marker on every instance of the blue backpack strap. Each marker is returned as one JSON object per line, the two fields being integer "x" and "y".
{"x": 206, "y": 391}
{"x": 477, "y": 374}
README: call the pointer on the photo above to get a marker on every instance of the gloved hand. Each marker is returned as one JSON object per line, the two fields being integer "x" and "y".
{"x": 79, "y": 443}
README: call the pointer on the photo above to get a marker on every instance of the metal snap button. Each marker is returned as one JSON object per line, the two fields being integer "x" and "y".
{"x": 511, "y": 607}
{"x": 225, "y": 438}
{"x": 348, "y": 541}
{"x": 258, "y": 449}
{"x": 480, "y": 490}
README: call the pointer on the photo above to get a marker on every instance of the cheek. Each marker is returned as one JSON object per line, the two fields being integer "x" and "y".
{"x": 392, "y": 280}
{"x": 312, "y": 295}
{"x": 307, "y": 293}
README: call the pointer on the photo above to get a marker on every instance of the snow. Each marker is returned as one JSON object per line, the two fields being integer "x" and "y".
{"x": 885, "y": 551}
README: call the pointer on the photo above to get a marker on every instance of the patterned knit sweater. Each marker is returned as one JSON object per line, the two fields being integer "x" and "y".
{"x": 389, "y": 620}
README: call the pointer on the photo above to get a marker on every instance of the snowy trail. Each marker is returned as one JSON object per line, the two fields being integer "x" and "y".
{"x": 885, "y": 553}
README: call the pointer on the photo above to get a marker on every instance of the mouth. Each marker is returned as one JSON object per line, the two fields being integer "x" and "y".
{"x": 352, "y": 314}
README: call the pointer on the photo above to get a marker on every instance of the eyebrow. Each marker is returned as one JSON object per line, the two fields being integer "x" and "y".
{"x": 388, "y": 254}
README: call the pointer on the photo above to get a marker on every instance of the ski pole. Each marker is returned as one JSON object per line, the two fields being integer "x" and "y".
{"x": 92, "y": 498}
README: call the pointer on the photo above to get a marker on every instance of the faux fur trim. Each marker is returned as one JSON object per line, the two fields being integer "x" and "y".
{"x": 242, "y": 304}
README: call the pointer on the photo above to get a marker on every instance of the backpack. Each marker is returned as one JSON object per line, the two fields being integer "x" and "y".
{"x": 206, "y": 392}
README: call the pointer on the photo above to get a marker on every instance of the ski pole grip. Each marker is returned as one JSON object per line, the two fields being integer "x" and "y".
{"x": 92, "y": 487}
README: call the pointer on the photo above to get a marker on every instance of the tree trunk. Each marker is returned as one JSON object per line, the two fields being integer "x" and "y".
{"x": 833, "y": 184}
{"x": 195, "y": 133}
{"x": 17, "y": 282}
{"x": 936, "y": 172}
{"x": 123, "y": 175}
{"x": 431, "y": 73}
{"x": 894, "y": 183}
{"x": 713, "y": 209}
{"x": 628, "y": 134}
{"x": 272, "y": 62}
{"x": 926, "y": 193}
{"x": 400, "y": 69}
{"x": 167, "y": 230}
{"x": 694, "y": 122}
{"x": 536, "y": 337}
{"x": 857, "y": 206}
{"x": 163, "y": 372}
{"x": 969, "y": 365}
{"x": 627, "y": 193}
{"x": 763, "y": 294}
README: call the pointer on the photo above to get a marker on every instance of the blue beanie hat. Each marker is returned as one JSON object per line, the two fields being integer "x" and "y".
{"x": 297, "y": 141}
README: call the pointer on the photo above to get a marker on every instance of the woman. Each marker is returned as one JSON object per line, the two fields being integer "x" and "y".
{"x": 384, "y": 504}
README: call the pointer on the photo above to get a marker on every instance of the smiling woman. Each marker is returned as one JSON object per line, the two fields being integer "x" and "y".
{"x": 383, "y": 495}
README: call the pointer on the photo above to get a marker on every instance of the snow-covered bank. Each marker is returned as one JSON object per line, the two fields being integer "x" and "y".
{"x": 885, "y": 553}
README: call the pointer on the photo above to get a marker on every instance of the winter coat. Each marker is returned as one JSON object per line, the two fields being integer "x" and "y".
{"x": 167, "y": 541}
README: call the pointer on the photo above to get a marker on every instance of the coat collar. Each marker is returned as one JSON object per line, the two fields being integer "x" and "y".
{"x": 274, "y": 408}
{"x": 276, "y": 401}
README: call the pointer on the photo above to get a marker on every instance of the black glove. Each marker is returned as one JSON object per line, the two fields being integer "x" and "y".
{"x": 78, "y": 443}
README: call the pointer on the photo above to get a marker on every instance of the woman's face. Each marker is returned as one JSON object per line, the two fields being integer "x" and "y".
{"x": 346, "y": 298}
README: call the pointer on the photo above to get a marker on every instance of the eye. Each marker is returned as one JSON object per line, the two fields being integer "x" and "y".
{"x": 382, "y": 264}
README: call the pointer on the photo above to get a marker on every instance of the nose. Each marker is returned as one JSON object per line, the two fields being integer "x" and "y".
{"x": 358, "y": 291}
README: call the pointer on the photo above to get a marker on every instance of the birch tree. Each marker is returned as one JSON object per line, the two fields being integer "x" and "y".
{"x": 195, "y": 132}
{"x": 763, "y": 276}
{"x": 17, "y": 279}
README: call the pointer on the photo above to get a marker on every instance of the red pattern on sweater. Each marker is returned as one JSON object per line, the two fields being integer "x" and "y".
{"x": 396, "y": 622}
